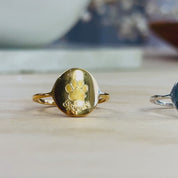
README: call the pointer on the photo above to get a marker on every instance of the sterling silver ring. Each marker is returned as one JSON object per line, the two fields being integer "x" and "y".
{"x": 173, "y": 96}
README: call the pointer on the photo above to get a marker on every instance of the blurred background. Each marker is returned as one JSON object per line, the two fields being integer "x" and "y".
{"x": 97, "y": 35}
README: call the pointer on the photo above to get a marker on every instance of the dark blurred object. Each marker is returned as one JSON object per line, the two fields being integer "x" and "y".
{"x": 163, "y": 19}
{"x": 112, "y": 22}
{"x": 167, "y": 31}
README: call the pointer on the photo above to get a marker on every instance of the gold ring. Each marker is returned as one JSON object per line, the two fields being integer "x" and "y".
{"x": 75, "y": 92}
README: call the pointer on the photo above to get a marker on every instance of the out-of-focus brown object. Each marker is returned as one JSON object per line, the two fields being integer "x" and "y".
{"x": 166, "y": 30}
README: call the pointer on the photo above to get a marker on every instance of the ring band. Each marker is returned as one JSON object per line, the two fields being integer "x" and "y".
{"x": 158, "y": 99}
{"x": 39, "y": 98}
{"x": 75, "y": 92}
{"x": 173, "y": 96}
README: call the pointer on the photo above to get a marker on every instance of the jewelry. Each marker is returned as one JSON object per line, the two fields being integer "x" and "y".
{"x": 75, "y": 92}
{"x": 173, "y": 96}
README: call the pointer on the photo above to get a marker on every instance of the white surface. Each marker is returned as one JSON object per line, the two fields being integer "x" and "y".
{"x": 61, "y": 59}
{"x": 37, "y": 22}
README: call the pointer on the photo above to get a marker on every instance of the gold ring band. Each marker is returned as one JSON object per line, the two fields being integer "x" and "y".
{"x": 75, "y": 92}
{"x": 39, "y": 98}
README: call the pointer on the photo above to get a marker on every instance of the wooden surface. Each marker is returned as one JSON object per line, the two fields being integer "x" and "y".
{"x": 126, "y": 137}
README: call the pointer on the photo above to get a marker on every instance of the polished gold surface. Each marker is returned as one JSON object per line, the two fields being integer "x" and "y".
{"x": 75, "y": 92}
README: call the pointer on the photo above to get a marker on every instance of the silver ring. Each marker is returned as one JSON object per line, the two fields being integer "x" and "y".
{"x": 173, "y": 96}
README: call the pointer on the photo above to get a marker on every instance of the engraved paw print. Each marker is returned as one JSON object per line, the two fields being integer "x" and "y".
{"x": 76, "y": 90}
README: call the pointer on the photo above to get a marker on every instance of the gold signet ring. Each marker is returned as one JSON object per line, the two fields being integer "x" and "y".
{"x": 75, "y": 92}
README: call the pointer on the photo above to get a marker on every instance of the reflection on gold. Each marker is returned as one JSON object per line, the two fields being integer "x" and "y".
{"x": 78, "y": 75}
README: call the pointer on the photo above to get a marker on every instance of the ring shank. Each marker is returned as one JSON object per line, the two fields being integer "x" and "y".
{"x": 103, "y": 97}
{"x": 39, "y": 98}
{"x": 158, "y": 99}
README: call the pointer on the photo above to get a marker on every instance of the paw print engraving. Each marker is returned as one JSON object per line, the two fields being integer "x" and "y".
{"x": 76, "y": 90}
{"x": 76, "y": 97}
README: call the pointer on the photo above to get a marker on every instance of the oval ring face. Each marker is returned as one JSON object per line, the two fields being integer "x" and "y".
{"x": 76, "y": 92}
